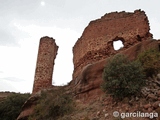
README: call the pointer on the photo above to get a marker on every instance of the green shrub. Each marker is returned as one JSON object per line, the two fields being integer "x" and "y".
{"x": 150, "y": 60}
{"x": 122, "y": 78}
{"x": 11, "y": 106}
{"x": 52, "y": 105}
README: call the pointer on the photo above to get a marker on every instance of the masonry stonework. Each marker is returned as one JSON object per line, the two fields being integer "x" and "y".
{"x": 45, "y": 63}
{"x": 91, "y": 53}
{"x": 96, "y": 42}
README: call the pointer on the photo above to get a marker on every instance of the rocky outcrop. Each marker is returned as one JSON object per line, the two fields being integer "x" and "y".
{"x": 89, "y": 81}
{"x": 152, "y": 90}
{"x": 28, "y": 107}
{"x": 87, "y": 85}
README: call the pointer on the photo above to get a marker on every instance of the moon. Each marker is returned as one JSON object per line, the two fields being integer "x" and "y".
{"x": 42, "y": 3}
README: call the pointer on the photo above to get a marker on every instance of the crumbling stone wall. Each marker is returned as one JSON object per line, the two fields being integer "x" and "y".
{"x": 96, "y": 42}
{"x": 45, "y": 62}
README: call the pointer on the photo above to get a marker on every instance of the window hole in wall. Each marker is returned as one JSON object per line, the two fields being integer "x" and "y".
{"x": 118, "y": 44}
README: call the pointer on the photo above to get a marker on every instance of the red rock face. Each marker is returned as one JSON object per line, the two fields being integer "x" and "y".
{"x": 45, "y": 62}
{"x": 87, "y": 84}
{"x": 96, "y": 42}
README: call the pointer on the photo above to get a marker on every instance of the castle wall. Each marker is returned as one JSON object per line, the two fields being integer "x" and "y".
{"x": 45, "y": 63}
{"x": 96, "y": 42}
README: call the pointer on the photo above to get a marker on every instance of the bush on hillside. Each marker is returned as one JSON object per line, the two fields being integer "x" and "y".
{"x": 150, "y": 60}
{"x": 122, "y": 78}
{"x": 11, "y": 106}
{"x": 52, "y": 105}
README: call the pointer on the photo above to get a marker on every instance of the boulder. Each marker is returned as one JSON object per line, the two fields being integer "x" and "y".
{"x": 28, "y": 107}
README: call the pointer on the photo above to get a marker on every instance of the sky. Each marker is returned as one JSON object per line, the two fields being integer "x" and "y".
{"x": 24, "y": 22}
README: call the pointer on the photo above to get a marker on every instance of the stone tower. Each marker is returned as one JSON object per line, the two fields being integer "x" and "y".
{"x": 45, "y": 63}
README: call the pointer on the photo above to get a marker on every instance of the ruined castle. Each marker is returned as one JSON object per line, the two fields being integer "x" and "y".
{"x": 90, "y": 54}
{"x": 96, "y": 42}
{"x": 95, "y": 45}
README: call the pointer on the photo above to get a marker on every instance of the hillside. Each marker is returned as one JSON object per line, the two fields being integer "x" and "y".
{"x": 11, "y": 104}
{"x": 102, "y": 82}
{"x": 3, "y": 95}
{"x": 96, "y": 108}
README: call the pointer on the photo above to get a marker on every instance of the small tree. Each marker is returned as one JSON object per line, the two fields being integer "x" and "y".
{"x": 11, "y": 106}
{"x": 52, "y": 105}
{"x": 122, "y": 78}
{"x": 150, "y": 60}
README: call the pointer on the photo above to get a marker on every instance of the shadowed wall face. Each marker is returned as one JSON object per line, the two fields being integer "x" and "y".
{"x": 96, "y": 42}
{"x": 45, "y": 63}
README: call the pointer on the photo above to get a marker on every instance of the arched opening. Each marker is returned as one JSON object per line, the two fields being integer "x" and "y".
{"x": 118, "y": 44}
